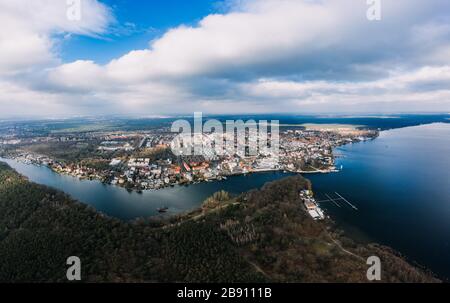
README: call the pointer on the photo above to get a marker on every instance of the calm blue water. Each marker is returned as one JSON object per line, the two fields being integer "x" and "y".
{"x": 118, "y": 202}
{"x": 400, "y": 183}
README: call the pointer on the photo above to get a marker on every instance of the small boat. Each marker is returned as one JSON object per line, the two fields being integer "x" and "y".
{"x": 162, "y": 209}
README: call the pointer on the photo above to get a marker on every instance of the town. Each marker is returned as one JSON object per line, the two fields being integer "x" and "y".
{"x": 143, "y": 160}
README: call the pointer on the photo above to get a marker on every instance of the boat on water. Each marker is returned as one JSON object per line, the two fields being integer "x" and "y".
{"x": 162, "y": 210}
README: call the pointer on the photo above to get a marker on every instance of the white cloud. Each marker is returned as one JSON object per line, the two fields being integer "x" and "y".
{"x": 266, "y": 55}
{"x": 422, "y": 88}
{"x": 409, "y": 81}
{"x": 28, "y": 29}
{"x": 28, "y": 38}
{"x": 282, "y": 37}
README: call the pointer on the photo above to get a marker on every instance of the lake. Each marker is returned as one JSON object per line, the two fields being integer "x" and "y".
{"x": 127, "y": 205}
{"x": 400, "y": 183}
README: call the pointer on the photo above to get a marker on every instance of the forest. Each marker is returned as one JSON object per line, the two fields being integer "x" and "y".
{"x": 261, "y": 236}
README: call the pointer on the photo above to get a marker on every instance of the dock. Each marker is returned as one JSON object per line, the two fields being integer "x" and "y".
{"x": 335, "y": 200}
{"x": 345, "y": 200}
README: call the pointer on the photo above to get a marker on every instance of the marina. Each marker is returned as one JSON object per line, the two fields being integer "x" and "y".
{"x": 335, "y": 201}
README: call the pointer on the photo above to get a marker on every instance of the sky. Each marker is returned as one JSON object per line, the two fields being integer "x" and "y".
{"x": 64, "y": 58}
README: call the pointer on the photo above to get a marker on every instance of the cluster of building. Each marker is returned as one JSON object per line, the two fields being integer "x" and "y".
{"x": 140, "y": 173}
{"x": 309, "y": 151}
{"x": 75, "y": 170}
{"x": 115, "y": 146}
{"x": 300, "y": 150}
{"x": 10, "y": 142}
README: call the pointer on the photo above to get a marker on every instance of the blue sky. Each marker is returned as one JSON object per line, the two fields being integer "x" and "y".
{"x": 162, "y": 58}
{"x": 138, "y": 22}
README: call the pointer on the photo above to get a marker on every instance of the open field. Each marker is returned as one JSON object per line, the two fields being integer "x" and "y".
{"x": 332, "y": 127}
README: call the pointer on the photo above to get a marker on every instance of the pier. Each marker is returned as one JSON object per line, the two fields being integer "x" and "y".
{"x": 332, "y": 200}
{"x": 336, "y": 200}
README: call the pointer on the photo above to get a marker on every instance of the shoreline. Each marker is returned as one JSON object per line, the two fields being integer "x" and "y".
{"x": 198, "y": 222}
{"x": 299, "y": 153}
{"x": 220, "y": 178}
{"x": 42, "y": 160}
{"x": 255, "y": 172}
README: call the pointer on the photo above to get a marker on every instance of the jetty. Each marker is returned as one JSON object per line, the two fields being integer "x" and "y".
{"x": 336, "y": 200}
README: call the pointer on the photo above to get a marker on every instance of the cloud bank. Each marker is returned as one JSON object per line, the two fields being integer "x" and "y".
{"x": 259, "y": 56}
